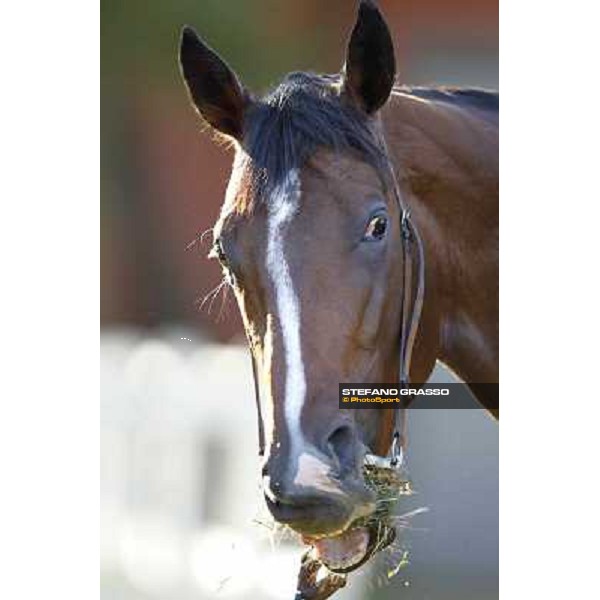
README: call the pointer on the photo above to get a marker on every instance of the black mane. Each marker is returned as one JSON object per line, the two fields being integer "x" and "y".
{"x": 303, "y": 113}
{"x": 465, "y": 97}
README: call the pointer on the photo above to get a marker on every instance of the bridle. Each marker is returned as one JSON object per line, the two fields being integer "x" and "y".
{"x": 413, "y": 291}
{"x": 411, "y": 308}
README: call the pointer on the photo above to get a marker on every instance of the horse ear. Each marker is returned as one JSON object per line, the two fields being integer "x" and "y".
{"x": 370, "y": 64}
{"x": 213, "y": 86}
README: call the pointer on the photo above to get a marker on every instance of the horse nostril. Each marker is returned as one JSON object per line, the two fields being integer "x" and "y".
{"x": 343, "y": 448}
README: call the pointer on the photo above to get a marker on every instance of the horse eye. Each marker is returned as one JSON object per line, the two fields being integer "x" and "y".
{"x": 376, "y": 229}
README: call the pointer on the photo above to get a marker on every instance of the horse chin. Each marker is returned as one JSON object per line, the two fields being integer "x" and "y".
{"x": 351, "y": 549}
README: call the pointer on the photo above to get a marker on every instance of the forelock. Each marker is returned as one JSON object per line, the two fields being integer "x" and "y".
{"x": 302, "y": 114}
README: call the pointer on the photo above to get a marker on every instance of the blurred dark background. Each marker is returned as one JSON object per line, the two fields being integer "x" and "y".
{"x": 182, "y": 514}
{"x": 163, "y": 179}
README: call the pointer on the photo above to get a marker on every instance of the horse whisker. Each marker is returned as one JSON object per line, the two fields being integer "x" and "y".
{"x": 199, "y": 239}
{"x": 224, "y": 299}
{"x": 216, "y": 294}
{"x": 210, "y": 295}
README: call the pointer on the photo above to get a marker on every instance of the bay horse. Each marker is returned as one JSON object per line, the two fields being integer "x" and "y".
{"x": 309, "y": 238}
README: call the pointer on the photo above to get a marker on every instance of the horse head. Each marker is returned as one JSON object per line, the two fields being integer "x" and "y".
{"x": 309, "y": 238}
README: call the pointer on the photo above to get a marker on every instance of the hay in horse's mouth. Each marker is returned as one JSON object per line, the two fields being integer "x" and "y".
{"x": 352, "y": 548}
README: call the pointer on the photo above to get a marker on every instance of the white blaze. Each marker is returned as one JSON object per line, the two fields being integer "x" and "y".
{"x": 284, "y": 204}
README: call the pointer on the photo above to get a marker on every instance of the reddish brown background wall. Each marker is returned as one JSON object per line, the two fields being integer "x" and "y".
{"x": 163, "y": 179}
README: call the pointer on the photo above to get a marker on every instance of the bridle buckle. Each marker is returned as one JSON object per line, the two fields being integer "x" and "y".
{"x": 397, "y": 453}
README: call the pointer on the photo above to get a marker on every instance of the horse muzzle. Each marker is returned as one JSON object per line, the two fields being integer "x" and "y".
{"x": 313, "y": 512}
{"x": 325, "y": 523}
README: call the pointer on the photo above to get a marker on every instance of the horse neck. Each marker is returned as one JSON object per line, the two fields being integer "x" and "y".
{"x": 446, "y": 160}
